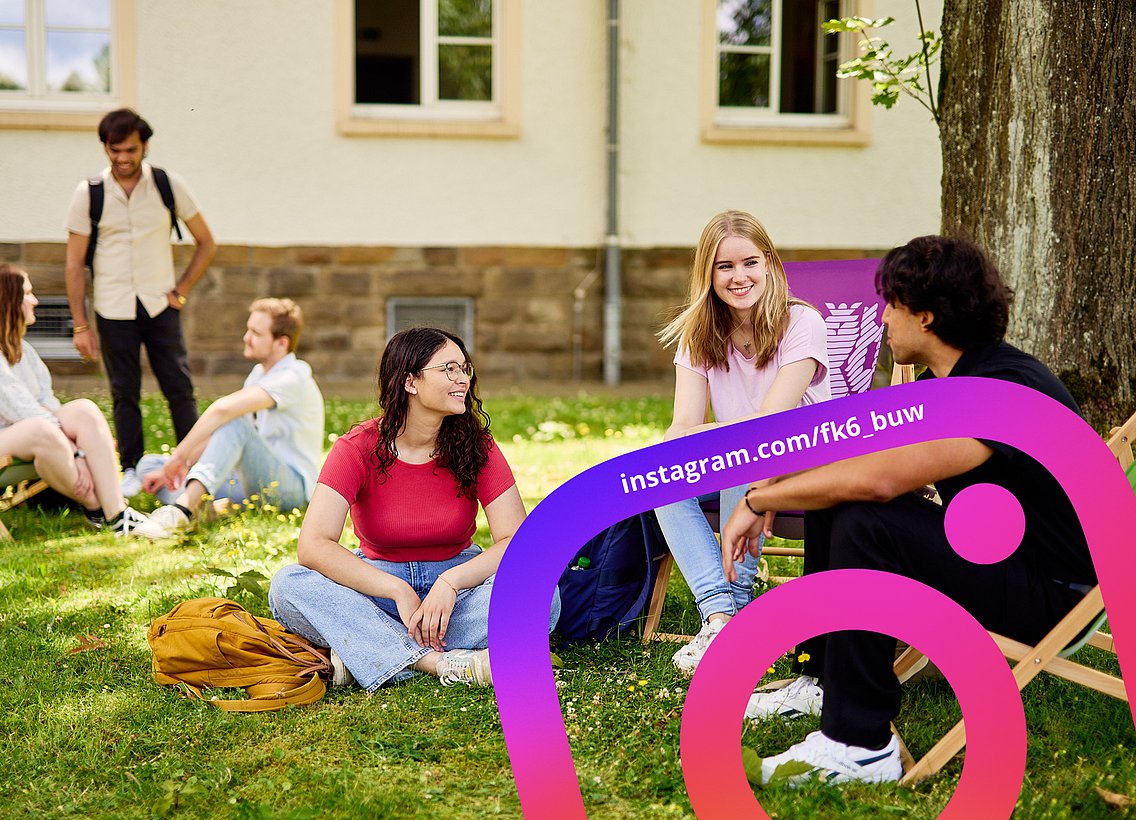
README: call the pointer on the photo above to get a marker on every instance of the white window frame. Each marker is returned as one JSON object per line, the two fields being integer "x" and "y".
{"x": 37, "y": 107}
{"x": 768, "y": 124}
{"x": 433, "y": 116}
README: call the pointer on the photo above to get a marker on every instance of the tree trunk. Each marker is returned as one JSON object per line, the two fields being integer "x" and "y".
{"x": 1039, "y": 168}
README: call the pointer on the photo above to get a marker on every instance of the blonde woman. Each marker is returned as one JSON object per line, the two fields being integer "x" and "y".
{"x": 70, "y": 444}
{"x": 746, "y": 343}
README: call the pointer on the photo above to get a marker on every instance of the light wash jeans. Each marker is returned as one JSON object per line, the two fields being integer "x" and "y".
{"x": 699, "y": 556}
{"x": 237, "y": 463}
{"x": 367, "y": 632}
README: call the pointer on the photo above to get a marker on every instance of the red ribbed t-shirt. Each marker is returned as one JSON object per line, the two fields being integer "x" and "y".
{"x": 414, "y": 513}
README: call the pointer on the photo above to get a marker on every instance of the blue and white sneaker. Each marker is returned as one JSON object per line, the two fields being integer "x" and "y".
{"x": 820, "y": 757}
{"x": 800, "y": 697}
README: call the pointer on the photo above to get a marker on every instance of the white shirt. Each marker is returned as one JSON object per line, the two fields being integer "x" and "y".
{"x": 294, "y": 427}
{"x": 25, "y": 389}
{"x": 133, "y": 258}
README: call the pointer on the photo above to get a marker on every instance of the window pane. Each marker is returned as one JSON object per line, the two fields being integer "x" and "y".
{"x": 465, "y": 73}
{"x": 11, "y": 12}
{"x": 743, "y": 80}
{"x": 78, "y": 61}
{"x": 77, "y": 13}
{"x": 745, "y": 22}
{"x": 386, "y": 52}
{"x": 13, "y": 61}
{"x": 465, "y": 18}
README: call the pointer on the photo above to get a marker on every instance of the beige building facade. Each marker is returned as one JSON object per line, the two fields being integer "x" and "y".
{"x": 417, "y": 159}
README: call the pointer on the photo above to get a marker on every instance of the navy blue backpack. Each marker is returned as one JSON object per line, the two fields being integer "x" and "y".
{"x": 608, "y": 583}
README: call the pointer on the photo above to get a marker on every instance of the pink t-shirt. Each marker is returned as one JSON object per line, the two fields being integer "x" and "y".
{"x": 414, "y": 513}
{"x": 739, "y": 391}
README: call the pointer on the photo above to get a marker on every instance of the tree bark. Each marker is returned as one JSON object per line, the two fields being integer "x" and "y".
{"x": 1039, "y": 168}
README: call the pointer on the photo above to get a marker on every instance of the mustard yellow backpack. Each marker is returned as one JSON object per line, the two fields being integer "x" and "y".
{"x": 216, "y": 643}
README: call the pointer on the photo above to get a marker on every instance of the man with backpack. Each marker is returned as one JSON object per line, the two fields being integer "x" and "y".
{"x": 119, "y": 225}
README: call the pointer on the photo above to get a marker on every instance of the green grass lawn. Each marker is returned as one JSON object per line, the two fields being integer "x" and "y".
{"x": 88, "y": 734}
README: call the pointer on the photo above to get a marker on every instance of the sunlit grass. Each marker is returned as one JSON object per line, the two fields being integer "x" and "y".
{"x": 88, "y": 733}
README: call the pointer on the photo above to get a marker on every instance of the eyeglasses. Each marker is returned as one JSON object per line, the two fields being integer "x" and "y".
{"x": 453, "y": 368}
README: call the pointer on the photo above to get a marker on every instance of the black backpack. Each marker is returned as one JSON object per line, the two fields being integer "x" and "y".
{"x": 609, "y": 582}
{"x": 98, "y": 192}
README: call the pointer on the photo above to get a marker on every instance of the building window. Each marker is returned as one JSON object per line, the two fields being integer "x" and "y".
{"x": 429, "y": 62}
{"x": 51, "y": 333}
{"x": 452, "y": 314}
{"x": 774, "y": 68}
{"x": 62, "y": 57}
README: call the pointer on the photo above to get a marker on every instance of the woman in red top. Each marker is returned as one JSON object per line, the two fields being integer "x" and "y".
{"x": 415, "y": 596}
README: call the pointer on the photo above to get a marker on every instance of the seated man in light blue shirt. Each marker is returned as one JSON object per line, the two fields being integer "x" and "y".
{"x": 265, "y": 438}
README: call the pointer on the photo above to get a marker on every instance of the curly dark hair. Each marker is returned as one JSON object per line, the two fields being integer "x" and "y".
{"x": 463, "y": 441}
{"x": 954, "y": 280}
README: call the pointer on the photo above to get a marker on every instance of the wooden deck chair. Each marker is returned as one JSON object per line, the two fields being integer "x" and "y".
{"x": 18, "y": 483}
{"x": 1082, "y": 625}
{"x": 845, "y": 294}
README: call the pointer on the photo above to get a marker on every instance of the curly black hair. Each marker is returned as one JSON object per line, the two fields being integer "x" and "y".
{"x": 462, "y": 446}
{"x": 953, "y": 280}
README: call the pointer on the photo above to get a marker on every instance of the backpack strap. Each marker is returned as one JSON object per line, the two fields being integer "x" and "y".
{"x": 95, "y": 191}
{"x": 162, "y": 180}
{"x": 267, "y": 697}
{"x": 654, "y": 547}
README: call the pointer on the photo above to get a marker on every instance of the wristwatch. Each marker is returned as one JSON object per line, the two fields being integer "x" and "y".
{"x": 180, "y": 297}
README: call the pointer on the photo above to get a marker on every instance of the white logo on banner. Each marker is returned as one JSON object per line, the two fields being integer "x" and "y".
{"x": 854, "y": 335}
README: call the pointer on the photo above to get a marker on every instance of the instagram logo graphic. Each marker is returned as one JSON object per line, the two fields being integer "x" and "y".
{"x": 800, "y": 439}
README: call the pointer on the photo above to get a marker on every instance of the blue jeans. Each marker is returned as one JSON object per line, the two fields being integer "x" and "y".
{"x": 699, "y": 556}
{"x": 237, "y": 463}
{"x": 367, "y": 632}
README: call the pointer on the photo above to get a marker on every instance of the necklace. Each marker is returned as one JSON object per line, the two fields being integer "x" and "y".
{"x": 747, "y": 345}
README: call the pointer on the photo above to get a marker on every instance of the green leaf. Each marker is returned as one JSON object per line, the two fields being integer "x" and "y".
{"x": 557, "y": 663}
{"x": 788, "y": 770}
{"x": 751, "y": 762}
{"x": 219, "y": 571}
{"x": 252, "y": 573}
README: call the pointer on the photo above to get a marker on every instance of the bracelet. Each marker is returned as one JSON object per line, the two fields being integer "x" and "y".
{"x": 80, "y": 329}
{"x": 447, "y": 583}
{"x": 745, "y": 498}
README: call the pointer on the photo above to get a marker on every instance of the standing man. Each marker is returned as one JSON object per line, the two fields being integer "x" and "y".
{"x": 137, "y": 296}
{"x": 947, "y": 308}
{"x": 263, "y": 440}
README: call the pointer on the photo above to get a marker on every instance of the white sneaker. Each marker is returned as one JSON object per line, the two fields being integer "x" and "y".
{"x": 686, "y": 660}
{"x": 127, "y": 522}
{"x": 801, "y": 697}
{"x": 163, "y": 523}
{"x": 468, "y": 666}
{"x": 340, "y": 674}
{"x": 832, "y": 762}
{"x": 131, "y": 483}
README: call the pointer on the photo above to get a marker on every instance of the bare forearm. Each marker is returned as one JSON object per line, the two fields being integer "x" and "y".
{"x": 474, "y": 571}
{"x": 332, "y": 560}
{"x": 202, "y": 255}
{"x": 76, "y": 281}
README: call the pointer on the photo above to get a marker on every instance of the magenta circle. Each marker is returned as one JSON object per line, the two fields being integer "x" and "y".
{"x": 985, "y": 523}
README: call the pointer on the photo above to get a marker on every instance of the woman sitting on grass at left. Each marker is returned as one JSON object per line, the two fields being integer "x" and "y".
{"x": 415, "y": 596}
{"x": 70, "y": 444}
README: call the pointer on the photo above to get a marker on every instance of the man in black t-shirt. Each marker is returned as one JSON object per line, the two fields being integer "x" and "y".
{"x": 947, "y": 308}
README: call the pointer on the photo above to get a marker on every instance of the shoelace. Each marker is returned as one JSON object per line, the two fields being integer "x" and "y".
{"x": 456, "y": 671}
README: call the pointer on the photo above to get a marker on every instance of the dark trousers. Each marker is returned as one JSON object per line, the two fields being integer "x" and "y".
{"x": 121, "y": 341}
{"x": 905, "y": 536}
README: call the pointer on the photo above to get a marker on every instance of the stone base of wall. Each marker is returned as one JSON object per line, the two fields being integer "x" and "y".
{"x": 538, "y": 312}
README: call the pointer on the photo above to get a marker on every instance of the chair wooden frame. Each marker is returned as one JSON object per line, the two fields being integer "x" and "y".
{"x": 1079, "y": 627}
{"x": 19, "y": 488}
{"x": 838, "y": 289}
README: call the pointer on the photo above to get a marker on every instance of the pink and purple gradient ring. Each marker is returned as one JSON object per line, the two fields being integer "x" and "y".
{"x": 947, "y": 408}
